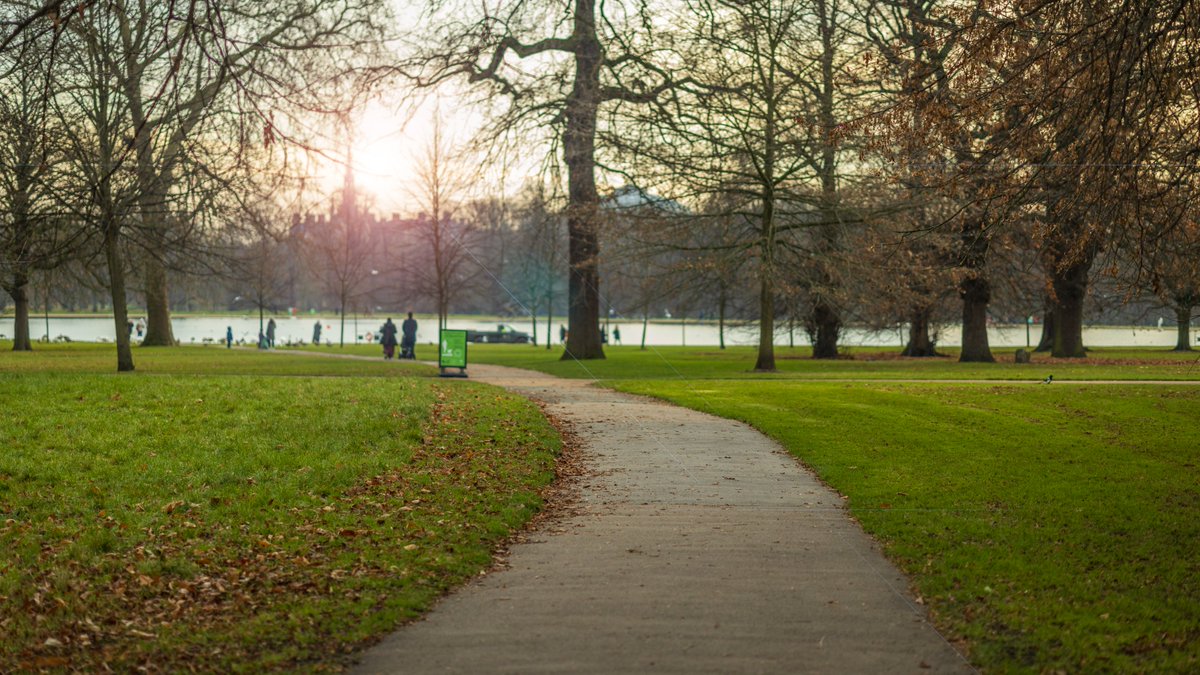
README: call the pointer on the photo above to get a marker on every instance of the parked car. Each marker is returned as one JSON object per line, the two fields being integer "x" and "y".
{"x": 503, "y": 333}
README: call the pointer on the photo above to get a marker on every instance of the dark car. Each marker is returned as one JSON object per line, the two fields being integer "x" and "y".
{"x": 503, "y": 333}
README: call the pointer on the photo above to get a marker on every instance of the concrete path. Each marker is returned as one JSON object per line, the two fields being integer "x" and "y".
{"x": 698, "y": 546}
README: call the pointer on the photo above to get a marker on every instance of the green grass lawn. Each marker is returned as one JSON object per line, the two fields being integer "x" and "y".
{"x": 1048, "y": 528}
{"x": 1052, "y": 528}
{"x": 240, "y": 510}
{"x": 863, "y": 363}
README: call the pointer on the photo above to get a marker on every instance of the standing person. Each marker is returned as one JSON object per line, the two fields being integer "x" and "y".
{"x": 617, "y": 335}
{"x": 271, "y": 333}
{"x": 409, "y": 342}
{"x": 562, "y": 333}
{"x": 141, "y": 326}
{"x": 387, "y": 338}
{"x": 228, "y": 337}
{"x": 129, "y": 327}
{"x": 317, "y": 332}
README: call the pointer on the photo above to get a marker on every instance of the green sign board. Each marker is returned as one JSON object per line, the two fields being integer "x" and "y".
{"x": 453, "y": 349}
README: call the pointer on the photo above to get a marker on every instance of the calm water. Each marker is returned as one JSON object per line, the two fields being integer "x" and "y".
{"x": 296, "y": 329}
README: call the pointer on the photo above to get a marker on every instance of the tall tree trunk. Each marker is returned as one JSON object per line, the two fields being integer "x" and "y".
{"x": 721, "y": 317}
{"x": 579, "y": 154}
{"x": 1183, "y": 324}
{"x": 20, "y": 295}
{"x": 549, "y": 320}
{"x": 116, "y": 276}
{"x": 976, "y": 293}
{"x": 1070, "y": 290}
{"x": 158, "y": 304}
{"x": 825, "y": 317}
{"x": 920, "y": 343}
{"x": 342, "y": 328}
{"x": 645, "y": 327}
{"x": 1046, "y": 342}
{"x": 827, "y": 326}
{"x": 766, "y": 325}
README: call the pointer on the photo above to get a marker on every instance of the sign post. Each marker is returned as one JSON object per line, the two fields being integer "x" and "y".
{"x": 452, "y": 352}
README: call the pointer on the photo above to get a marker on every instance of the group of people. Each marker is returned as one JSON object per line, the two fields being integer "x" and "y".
{"x": 266, "y": 340}
{"x": 388, "y": 333}
{"x": 140, "y": 326}
{"x": 408, "y": 340}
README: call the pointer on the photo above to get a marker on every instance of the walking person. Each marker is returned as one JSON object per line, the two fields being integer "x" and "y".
{"x": 317, "y": 332}
{"x": 271, "y": 333}
{"x": 387, "y": 338}
{"x": 408, "y": 343}
{"x": 228, "y": 337}
{"x": 616, "y": 335}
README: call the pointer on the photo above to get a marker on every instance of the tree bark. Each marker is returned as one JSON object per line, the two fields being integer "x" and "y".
{"x": 158, "y": 304}
{"x": 1046, "y": 342}
{"x": 976, "y": 293}
{"x": 116, "y": 277}
{"x": 766, "y": 325}
{"x": 1183, "y": 324}
{"x": 579, "y": 154}
{"x": 20, "y": 295}
{"x": 827, "y": 326}
{"x": 342, "y": 327}
{"x": 721, "y": 318}
{"x": 1070, "y": 290}
{"x": 549, "y": 320}
{"x": 920, "y": 343}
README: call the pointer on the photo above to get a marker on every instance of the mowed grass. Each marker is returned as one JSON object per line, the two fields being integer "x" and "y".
{"x": 82, "y": 357}
{"x": 275, "y": 515}
{"x": 1049, "y": 528}
{"x": 630, "y": 362}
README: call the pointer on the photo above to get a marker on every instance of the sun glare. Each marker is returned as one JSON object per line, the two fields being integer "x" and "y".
{"x": 386, "y": 147}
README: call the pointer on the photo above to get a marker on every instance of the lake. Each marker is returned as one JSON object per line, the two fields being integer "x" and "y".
{"x": 197, "y": 330}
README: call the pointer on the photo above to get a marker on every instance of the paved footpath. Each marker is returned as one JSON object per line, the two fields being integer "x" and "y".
{"x": 698, "y": 546}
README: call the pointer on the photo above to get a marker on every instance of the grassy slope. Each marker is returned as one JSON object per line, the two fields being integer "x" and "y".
{"x": 1051, "y": 527}
{"x": 251, "y": 522}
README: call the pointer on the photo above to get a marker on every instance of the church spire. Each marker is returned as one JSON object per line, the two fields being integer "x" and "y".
{"x": 349, "y": 193}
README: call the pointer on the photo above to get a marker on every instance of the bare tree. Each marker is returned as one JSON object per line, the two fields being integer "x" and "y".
{"x": 539, "y": 269}
{"x": 1085, "y": 92}
{"x": 338, "y": 250}
{"x": 580, "y": 55}
{"x": 758, "y": 127}
{"x": 442, "y": 182}
{"x": 35, "y": 233}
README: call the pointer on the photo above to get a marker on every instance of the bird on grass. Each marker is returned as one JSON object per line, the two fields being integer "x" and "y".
{"x": 1048, "y": 380}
